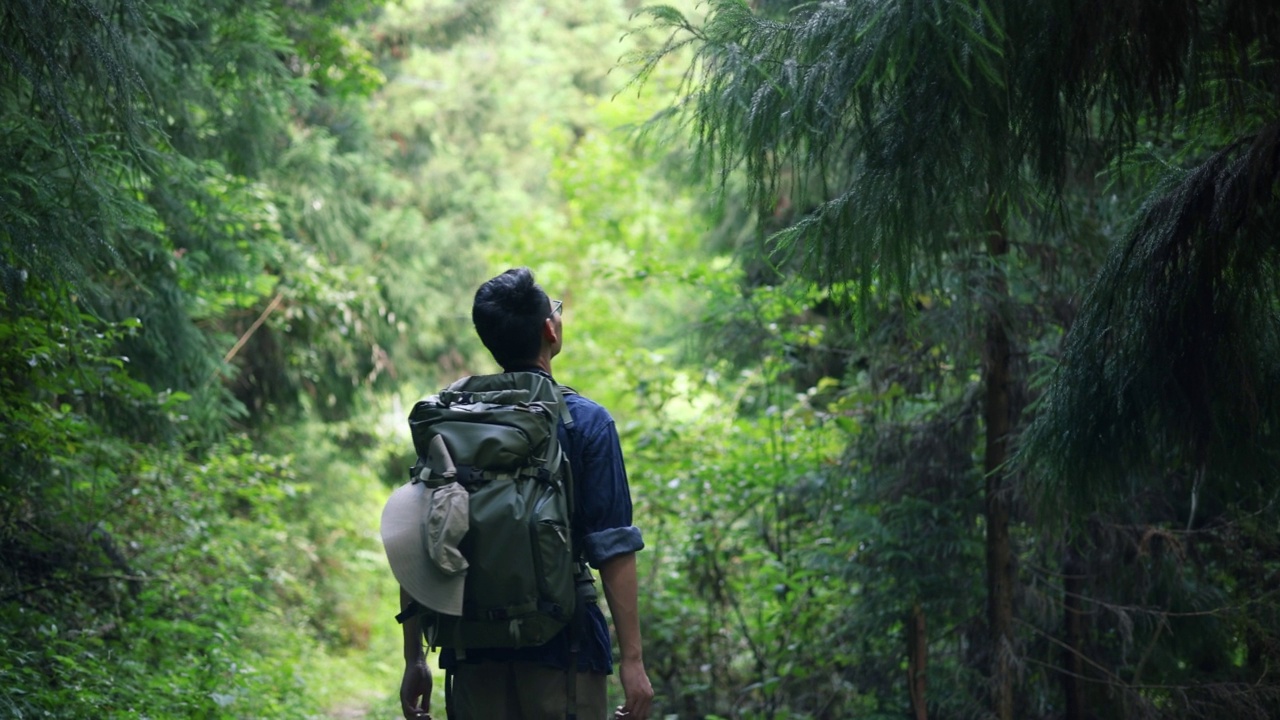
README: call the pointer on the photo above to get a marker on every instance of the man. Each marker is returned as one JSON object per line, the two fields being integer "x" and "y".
{"x": 523, "y": 330}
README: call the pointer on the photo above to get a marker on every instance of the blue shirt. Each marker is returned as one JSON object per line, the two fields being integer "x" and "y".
{"x": 602, "y": 528}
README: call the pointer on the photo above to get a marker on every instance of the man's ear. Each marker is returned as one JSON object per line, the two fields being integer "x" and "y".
{"x": 549, "y": 334}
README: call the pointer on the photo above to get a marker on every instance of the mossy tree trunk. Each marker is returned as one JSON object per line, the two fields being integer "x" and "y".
{"x": 997, "y": 376}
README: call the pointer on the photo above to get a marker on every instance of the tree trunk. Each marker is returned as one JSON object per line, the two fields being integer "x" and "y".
{"x": 917, "y": 659}
{"x": 997, "y": 415}
{"x": 1073, "y": 634}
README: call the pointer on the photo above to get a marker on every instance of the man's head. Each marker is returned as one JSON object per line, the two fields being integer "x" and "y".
{"x": 515, "y": 321}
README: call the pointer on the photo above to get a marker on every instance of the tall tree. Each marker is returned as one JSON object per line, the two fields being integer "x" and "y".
{"x": 903, "y": 138}
{"x": 911, "y": 132}
{"x": 164, "y": 168}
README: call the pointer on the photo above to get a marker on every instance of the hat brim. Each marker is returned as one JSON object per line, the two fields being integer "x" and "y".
{"x": 402, "y": 538}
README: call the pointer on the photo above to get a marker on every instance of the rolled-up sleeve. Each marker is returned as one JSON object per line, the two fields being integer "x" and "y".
{"x": 604, "y": 496}
{"x": 609, "y": 543}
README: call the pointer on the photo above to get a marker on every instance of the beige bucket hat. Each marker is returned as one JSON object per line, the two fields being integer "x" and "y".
{"x": 421, "y": 529}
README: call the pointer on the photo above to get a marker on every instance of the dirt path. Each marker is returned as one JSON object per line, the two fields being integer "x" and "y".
{"x": 352, "y": 710}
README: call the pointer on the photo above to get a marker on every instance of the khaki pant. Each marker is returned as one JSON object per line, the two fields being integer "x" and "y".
{"x": 523, "y": 691}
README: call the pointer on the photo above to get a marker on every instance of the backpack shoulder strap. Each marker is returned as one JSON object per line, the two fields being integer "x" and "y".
{"x": 566, "y": 417}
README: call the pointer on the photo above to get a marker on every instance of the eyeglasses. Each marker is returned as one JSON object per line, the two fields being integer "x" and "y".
{"x": 556, "y": 305}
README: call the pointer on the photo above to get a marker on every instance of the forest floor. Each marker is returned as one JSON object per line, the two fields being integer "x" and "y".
{"x": 350, "y": 710}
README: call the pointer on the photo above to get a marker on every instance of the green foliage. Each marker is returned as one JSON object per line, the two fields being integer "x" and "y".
{"x": 233, "y": 236}
{"x": 205, "y": 607}
{"x": 71, "y": 131}
{"x": 142, "y": 581}
{"x": 855, "y": 496}
{"x": 136, "y": 581}
{"x": 745, "y": 576}
{"x": 155, "y": 562}
{"x": 940, "y": 158}
{"x": 1168, "y": 373}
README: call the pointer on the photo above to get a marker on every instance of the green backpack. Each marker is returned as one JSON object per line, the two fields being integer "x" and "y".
{"x": 496, "y": 436}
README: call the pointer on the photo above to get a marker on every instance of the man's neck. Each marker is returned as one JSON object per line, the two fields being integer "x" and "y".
{"x": 543, "y": 362}
{"x": 540, "y": 366}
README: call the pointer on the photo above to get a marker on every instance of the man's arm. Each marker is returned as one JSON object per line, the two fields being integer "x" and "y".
{"x": 621, "y": 591}
{"x": 415, "y": 686}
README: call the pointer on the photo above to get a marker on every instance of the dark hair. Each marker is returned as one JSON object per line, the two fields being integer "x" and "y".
{"x": 508, "y": 314}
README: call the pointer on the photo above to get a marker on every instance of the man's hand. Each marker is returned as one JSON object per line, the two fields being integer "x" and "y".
{"x": 638, "y": 691}
{"x": 620, "y": 590}
{"x": 415, "y": 686}
{"x": 415, "y": 691}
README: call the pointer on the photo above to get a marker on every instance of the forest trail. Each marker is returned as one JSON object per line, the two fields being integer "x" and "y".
{"x": 349, "y": 710}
